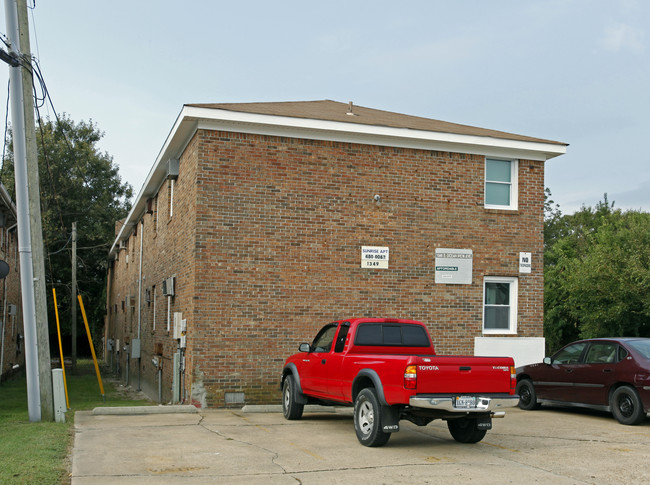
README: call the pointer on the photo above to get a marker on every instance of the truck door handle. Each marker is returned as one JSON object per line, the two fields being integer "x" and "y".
{"x": 323, "y": 361}
{"x": 607, "y": 370}
{"x": 465, "y": 367}
{"x": 568, "y": 371}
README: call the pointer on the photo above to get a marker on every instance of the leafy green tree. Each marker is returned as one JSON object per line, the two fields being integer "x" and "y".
{"x": 81, "y": 184}
{"x": 609, "y": 286}
{"x": 596, "y": 274}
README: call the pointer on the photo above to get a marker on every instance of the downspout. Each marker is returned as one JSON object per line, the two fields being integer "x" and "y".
{"x": 4, "y": 314}
{"x": 140, "y": 303}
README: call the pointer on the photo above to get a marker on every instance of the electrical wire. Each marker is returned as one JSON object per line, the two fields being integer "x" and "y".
{"x": 62, "y": 249}
{"x": 42, "y": 98}
{"x": 4, "y": 145}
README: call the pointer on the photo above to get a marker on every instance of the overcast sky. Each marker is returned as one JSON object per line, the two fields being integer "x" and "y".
{"x": 576, "y": 71}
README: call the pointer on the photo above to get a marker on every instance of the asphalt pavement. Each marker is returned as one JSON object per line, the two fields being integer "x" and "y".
{"x": 169, "y": 445}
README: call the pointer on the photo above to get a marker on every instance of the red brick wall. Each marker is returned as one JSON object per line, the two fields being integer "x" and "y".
{"x": 266, "y": 245}
{"x": 279, "y": 248}
{"x": 167, "y": 250}
{"x": 13, "y": 346}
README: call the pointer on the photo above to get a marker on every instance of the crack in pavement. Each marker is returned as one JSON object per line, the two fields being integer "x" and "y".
{"x": 274, "y": 455}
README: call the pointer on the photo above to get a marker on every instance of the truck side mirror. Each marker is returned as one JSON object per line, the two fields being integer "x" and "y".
{"x": 547, "y": 360}
{"x": 304, "y": 348}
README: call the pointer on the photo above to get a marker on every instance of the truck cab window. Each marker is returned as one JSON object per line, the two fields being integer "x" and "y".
{"x": 340, "y": 339}
{"x": 324, "y": 339}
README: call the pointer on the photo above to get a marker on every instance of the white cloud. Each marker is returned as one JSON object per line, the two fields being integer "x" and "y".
{"x": 624, "y": 37}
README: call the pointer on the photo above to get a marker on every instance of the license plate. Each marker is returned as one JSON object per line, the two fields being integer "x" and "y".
{"x": 465, "y": 402}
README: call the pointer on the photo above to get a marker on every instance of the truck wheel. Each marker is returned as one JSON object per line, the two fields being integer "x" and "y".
{"x": 626, "y": 406}
{"x": 367, "y": 419}
{"x": 527, "y": 395}
{"x": 290, "y": 408}
{"x": 464, "y": 430}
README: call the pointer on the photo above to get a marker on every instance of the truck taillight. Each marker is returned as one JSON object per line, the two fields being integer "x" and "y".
{"x": 411, "y": 377}
{"x": 513, "y": 379}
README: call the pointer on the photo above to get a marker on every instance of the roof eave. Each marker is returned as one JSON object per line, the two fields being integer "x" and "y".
{"x": 192, "y": 118}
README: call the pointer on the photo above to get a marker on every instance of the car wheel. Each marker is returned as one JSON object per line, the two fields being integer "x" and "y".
{"x": 626, "y": 406}
{"x": 367, "y": 419}
{"x": 527, "y": 395}
{"x": 290, "y": 408}
{"x": 464, "y": 430}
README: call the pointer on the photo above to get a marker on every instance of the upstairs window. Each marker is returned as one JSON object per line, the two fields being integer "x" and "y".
{"x": 500, "y": 184}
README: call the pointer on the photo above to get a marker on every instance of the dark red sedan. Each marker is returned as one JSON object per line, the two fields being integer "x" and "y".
{"x": 611, "y": 374}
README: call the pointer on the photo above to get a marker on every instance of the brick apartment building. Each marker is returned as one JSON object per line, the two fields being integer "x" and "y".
{"x": 12, "y": 348}
{"x": 261, "y": 222}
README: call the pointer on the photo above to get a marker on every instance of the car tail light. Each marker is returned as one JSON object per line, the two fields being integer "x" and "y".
{"x": 513, "y": 379}
{"x": 411, "y": 377}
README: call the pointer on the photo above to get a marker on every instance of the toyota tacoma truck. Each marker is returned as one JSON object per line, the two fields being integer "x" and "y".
{"x": 388, "y": 370}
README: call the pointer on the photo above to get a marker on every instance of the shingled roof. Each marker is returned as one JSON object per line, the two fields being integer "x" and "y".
{"x": 347, "y": 113}
{"x": 331, "y": 120}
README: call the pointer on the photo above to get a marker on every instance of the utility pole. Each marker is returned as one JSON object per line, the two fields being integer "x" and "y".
{"x": 73, "y": 300}
{"x": 22, "y": 213}
{"x": 36, "y": 223}
{"x": 30, "y": 232}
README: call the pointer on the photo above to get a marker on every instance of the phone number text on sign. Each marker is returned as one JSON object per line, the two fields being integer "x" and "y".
{"x": 374, "y": 257}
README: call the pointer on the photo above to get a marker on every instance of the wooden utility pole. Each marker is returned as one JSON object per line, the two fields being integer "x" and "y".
{"x": 73, "y": 300}
{"x": 35, "y": 223}
{"x": 38, "y": 258}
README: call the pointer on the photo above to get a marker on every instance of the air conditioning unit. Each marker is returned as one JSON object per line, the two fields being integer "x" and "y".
{"x": 130, "y": 301}
{"x": 122, "y": 244}
{"x": 168, "y": 286}
{"x": 11, "y": 309}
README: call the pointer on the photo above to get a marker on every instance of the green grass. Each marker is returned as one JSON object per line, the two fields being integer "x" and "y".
{"x": 33, "y": 453}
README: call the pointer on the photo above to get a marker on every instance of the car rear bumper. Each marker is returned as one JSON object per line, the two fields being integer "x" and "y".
{"x": 484, "y": 404}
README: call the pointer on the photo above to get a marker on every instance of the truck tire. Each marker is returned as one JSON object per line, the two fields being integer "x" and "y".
{"x": 367, "y": 419}
{"x": 290, "y": 408}
{"x": 527, "y": 395}
{"x": 464, "y": 430}
{"x": 626, "y": 406}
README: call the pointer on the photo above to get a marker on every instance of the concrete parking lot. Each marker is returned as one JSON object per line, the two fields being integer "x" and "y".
{"x": 230, "y": 446}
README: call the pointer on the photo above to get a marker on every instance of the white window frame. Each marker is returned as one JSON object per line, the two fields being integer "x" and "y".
{"x": 514, "y": 298}
{"x": 514, "y": 184}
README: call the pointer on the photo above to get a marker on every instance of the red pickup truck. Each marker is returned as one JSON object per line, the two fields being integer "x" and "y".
{"x": 388, "y": 369}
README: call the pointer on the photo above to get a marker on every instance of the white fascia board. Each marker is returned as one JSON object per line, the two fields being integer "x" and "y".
{"x": 210, "y": 118}
{"x": 176, "y": 141}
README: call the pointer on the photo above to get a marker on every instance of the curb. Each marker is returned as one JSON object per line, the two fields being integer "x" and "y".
{"x": 277, "y": 408}
{"x": 137, "y": 410}
{"x": 189, "y": 409}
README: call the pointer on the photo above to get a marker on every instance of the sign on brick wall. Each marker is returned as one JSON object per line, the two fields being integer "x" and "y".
{"x": 374, "y": 257}
{"x": 454, "y": 266}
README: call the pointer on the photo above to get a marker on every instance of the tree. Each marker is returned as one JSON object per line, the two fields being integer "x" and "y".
{"x": 78, "y": 184}
{"x": 596, "y": 274}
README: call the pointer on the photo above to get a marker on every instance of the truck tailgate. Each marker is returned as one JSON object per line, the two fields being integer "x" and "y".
{"x": 463, "y": 374}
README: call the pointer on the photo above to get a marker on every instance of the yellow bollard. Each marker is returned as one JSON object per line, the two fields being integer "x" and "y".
{"x": 92, "y": 347}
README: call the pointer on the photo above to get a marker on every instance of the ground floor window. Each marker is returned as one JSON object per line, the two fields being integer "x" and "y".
{"x": 499, "y": 305}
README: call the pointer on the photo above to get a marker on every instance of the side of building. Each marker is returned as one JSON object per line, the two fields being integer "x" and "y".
{"x": 12, "y": 348}
{"x": 288, "y": 216}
